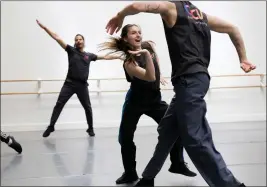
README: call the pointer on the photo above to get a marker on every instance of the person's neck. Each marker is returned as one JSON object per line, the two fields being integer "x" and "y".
{"x": 80, "y": 49}
{"x": 137, "y": 48}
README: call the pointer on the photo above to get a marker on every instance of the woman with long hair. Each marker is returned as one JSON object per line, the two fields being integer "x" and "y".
{"x": 141, "y": 66}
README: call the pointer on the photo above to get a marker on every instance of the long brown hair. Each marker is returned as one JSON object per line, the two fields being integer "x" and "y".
{"x": 117, "y": 45}
{"x": 147, "y": 45}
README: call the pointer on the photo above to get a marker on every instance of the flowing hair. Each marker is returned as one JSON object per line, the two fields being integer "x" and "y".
{"x": 117, "y": 45}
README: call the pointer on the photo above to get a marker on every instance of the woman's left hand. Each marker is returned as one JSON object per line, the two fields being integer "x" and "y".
{"x": 163, "y": 81}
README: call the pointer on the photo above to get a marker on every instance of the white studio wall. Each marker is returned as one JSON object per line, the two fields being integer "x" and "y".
{"x": 28, "y": 52}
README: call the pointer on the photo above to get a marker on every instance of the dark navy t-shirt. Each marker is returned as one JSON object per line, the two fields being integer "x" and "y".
{"x": 79, "y": 63}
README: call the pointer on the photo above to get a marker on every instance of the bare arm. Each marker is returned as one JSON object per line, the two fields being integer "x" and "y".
{"x": 53, "y": 35}
{"x": 147, "y": 74}
{"x": 108, "y": 57}
{"x": 221, "y": 26}
{"x": 166, "y": 9}
{"x": 156, "y": 7}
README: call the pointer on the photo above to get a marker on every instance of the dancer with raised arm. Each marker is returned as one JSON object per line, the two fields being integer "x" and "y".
{"x": 76, "y": 79}
{"x": 187, "y": 31}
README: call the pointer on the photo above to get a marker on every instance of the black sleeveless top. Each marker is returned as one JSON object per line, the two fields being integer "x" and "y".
{"x": 141, "y": 90}
{"x": 188, "y": 41}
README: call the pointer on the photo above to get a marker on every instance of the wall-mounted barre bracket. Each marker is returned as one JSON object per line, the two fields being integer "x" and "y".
{"x": 98, "y": 87}
{"x": 39, "y": 86}
{"x": 262, "y": 80}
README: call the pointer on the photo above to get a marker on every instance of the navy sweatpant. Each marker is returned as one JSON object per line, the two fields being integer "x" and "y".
{"x": 185, "y": 119}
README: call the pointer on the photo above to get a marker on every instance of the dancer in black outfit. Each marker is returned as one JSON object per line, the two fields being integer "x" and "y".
{"x": 76, "y": 80}
{"x": 11, "y": 142}
{"x": 188, "y": 36}
{"x": 144, "y": 97}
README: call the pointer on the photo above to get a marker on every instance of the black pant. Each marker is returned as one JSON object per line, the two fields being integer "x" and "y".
{"x": 131, "y": 113}
{"x": 185, "y": 118}
{"x": 68, "y": 89}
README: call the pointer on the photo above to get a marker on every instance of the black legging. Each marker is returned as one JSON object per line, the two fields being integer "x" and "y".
{"x": 131, "y": 113}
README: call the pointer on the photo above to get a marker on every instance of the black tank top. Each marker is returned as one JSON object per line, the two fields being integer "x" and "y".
{"x": 188, "y": 41}
{"x": 144, "y": 91}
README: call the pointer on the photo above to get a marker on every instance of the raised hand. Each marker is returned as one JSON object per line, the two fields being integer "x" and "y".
{"x": 114, "y": 24}
{"x": 40, "y": 24}
{"x": 53, "y": 35}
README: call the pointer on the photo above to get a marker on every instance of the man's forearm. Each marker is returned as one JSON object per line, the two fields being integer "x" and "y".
{"x": 238, "y": 42}
{"x": 138, "y": 7}
{"x": 129, "y": 10}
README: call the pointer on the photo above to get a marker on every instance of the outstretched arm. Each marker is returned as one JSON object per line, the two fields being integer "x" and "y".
{"x": 108, "y": 57}
{"x": 53, "y": 35}
{"x": 221, "y": 26}
{"x": 157, "y": 7}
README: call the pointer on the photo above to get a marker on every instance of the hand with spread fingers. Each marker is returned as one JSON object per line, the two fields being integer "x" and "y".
{"x": 163, "y": 81}
{"x": 114, "y": 24}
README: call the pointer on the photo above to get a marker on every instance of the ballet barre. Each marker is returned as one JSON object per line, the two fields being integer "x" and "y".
{"x": 99, "y": 90}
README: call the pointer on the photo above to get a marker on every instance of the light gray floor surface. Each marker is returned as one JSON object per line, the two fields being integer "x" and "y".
{"x": 70, "y": 157}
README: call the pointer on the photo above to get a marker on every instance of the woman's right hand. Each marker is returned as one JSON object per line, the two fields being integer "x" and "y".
{"x": 139, "y": 52}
